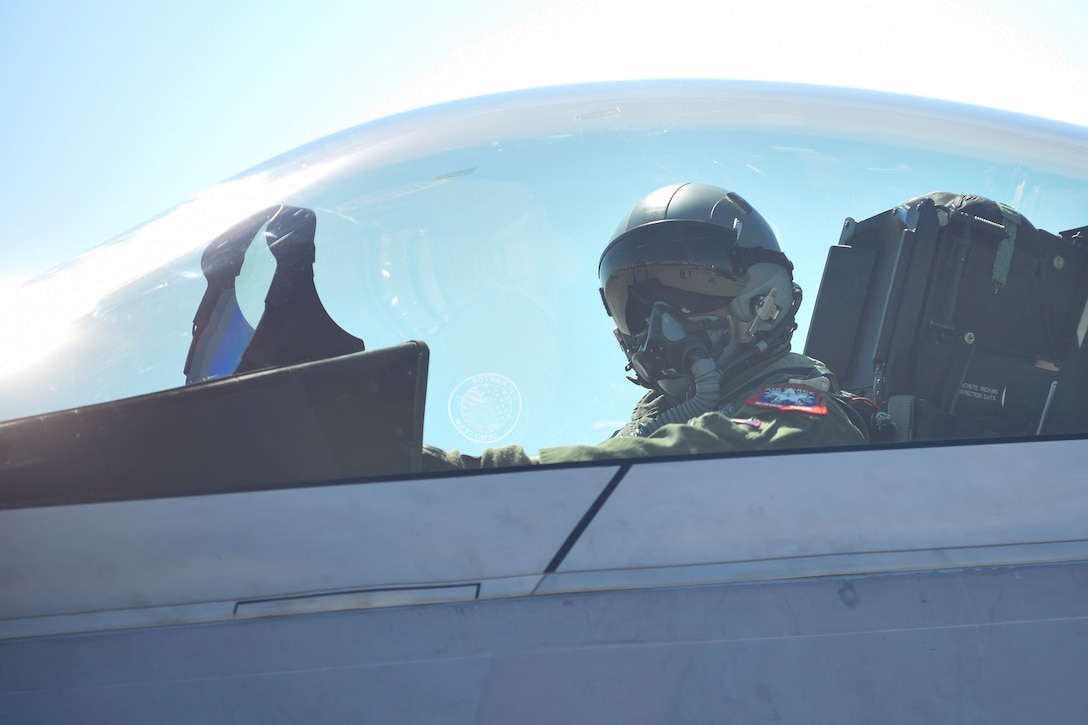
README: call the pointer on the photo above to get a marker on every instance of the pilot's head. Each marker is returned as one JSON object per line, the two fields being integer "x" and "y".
{"x": 694, "y": 272}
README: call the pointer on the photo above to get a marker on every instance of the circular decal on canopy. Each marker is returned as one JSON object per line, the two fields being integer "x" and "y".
{"x": 485, "y": 408}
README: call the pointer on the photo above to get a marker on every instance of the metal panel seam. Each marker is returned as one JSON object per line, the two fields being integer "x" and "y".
{"x": 587, "y": 518}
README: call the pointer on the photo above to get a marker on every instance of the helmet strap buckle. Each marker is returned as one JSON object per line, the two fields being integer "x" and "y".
{"x": 767, "y": 313}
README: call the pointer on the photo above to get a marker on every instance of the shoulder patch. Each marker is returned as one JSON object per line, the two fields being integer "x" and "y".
{"x": 789, "y": 397}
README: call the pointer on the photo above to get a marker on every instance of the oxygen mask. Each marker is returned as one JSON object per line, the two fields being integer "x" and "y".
{"x": 672, "y": 344}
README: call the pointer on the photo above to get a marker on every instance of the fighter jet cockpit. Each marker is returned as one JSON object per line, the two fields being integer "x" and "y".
{"x": 434, "y": 278}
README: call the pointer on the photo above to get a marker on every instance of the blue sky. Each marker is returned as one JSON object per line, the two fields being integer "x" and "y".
{"x": 117, "y": 110}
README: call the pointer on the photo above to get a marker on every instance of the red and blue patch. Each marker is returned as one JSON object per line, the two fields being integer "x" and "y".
{"x": 789, "y": 397}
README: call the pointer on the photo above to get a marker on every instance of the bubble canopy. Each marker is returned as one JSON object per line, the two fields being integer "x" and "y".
{"x": 477, "y": 226}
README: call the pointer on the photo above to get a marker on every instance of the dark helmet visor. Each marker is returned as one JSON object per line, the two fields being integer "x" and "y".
{"x": 671, "y": 261}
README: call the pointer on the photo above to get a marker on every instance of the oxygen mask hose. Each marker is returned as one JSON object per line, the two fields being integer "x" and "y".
{"x": 707, "y": 391}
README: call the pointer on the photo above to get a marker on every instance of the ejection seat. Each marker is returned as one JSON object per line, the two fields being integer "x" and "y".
{"x": 959, "y": 319}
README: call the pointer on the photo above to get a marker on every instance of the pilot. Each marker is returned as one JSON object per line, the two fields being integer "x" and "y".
{"x": 704, "y": 302}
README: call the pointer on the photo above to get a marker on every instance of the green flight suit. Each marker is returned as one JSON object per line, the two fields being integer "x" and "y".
{"x": 790, "y": 402}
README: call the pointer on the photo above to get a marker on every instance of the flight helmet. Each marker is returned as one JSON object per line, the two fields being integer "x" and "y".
{"x": 693, "y": 271}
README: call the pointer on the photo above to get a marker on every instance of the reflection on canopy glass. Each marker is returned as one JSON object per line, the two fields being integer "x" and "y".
{"x": 477, "y": 228}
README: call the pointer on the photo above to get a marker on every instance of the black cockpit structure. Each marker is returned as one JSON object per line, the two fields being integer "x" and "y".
{"x": 960, "y": 318}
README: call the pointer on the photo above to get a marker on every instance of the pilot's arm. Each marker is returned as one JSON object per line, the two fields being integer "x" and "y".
{"x": 749, "y": 428}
